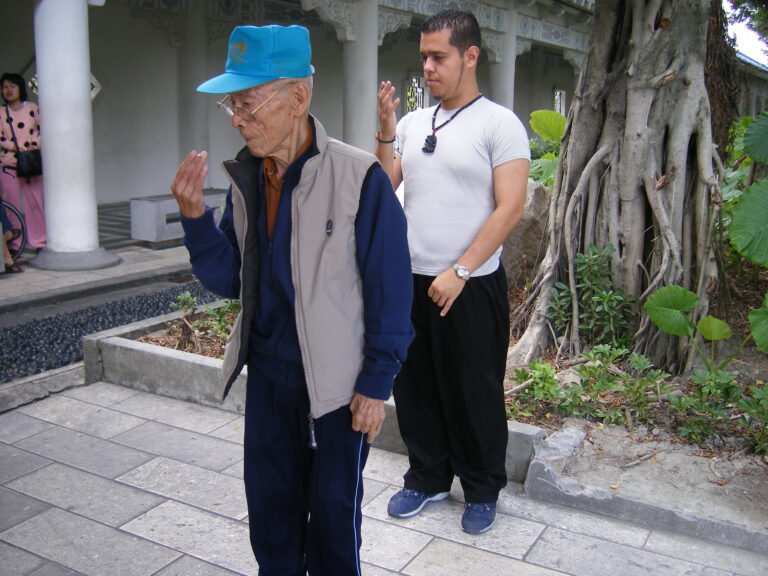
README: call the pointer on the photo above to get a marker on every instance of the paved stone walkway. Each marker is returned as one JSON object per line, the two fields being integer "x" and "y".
{"x": 106, "y": 480}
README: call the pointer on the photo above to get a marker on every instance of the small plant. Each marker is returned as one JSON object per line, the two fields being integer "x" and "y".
{"x": 755, "y": 417}
{"x": 189, "y": 336}
{"x": 643, "y": 386}
{"x": 219, "y": 320}
{"x": 540, "y": 381}
{"x": 186, "y": 303}
{"x": 604, "y": 313}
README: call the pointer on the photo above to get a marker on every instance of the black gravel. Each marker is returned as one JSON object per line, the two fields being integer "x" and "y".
{"x": 56, "y": 341}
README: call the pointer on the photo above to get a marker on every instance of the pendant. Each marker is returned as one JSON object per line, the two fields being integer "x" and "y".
{"x": 429, "y": 144}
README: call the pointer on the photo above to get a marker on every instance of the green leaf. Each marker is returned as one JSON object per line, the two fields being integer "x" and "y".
{"x": 548, "y": 124}
{"x": 756, "y": 138}
{"x": 758, "y": 324}
{"x": 712, "y": 328}
{"x": 749, "y": 223}
{"x": 667, "y": 307}
{"x": 543, "y": 170}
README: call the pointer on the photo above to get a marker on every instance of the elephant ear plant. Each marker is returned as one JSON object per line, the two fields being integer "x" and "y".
{"x": 550, "y": 127}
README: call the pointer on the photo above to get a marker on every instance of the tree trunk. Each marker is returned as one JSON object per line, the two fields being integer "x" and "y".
{"x": 636, "y": 171}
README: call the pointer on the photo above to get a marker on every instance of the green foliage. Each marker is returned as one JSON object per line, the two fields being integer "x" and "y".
{"x": 755, "y": 417}
{"x": 749, "y": 223}
{"x": 669, "y": 308}
{"x": 548, "y": 124}
{"x": 185, "y": 303}
{"x": 604, "y": 312}
{"x": 219, "y": 320}
{"x": 755, "y": 143}
{"x": 550, "y": 127}
{"x": 544, "y": 384}
{"x": 543, "y": 170}
{"x": 708, "y": 407}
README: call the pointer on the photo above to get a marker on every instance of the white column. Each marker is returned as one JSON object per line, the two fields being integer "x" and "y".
{"x": 63, "y": 67}
{"x": 193, "y": 106}
{"x": 502, "y": 71}
{"x": 361, "y": 64}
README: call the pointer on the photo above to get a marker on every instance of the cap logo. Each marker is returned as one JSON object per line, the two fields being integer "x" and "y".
{"x": 236, "y": 52}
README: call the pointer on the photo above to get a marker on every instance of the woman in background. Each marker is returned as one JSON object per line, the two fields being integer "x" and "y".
{"x": 24, "y": 193}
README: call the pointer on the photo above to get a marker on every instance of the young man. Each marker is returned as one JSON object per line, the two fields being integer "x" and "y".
{"x": 464, "y": 163}
{"x": 313, "y": 242}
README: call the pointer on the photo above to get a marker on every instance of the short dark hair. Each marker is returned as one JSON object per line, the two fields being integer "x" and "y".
{"x": 465, "y": 31}
{"x": 17, "y": 79}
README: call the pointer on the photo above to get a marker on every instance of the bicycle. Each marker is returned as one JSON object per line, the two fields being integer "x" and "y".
{"x": 17, "y": 245}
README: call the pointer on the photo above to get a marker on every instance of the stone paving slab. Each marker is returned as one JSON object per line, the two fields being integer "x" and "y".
{"x": 723, "y": 557}
{"x": 183, "y": 445}
{"x": 17, "y": 462}
{"x": 17, "y": 507}
{"x": 221, "y": 541}
{"x": 79, "y": 450}
{"x": 390, "y": 546}
{"x": 15, "y": 426}
{"x": 517, "y": 504}
{"x": 234, "y": 431}
{"x": 85, "y": 494}
{"x": 586, "y": 556}
{"x": 175, "y": 412}
{"x": 22, "y": 561}
{"x": 101, "y": 393}
{"x": 186, "y": 566}
{"x": 81, "y": 416}
{"x": 442, "y": 558}
{"x": 87, "y": 546}
{"x": 191, "y": 485}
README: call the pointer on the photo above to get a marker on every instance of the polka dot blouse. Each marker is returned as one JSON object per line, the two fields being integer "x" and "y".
{"x": 26, "y": 124}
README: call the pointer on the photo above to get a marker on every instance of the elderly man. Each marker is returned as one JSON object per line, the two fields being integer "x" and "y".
{"x": 313, "y": 242}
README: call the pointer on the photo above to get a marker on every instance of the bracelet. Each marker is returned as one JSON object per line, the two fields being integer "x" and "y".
{"x": 378, "y": 137}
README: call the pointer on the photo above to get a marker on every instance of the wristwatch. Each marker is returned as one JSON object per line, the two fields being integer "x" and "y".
{"x": 461, "y": 272}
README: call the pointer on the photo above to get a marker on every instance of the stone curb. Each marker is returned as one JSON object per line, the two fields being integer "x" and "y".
{"x": 544, "y": 482}
{"x": 38, "y": 386}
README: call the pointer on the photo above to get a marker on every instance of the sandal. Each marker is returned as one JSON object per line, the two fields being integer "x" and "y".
{"x": 13, "y": 268}
{"x": 14, "y": 233}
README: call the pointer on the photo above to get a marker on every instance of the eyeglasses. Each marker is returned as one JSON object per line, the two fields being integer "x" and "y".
{"x": 225, "y": 104}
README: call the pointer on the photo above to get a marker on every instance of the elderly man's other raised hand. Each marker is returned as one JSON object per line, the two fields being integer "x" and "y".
{"x": 187, "y": 186}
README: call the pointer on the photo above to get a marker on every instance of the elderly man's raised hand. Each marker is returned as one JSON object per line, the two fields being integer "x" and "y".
{"x": 187, "y": 186}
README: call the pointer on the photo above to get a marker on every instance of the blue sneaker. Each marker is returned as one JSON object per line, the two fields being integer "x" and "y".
{"x": 478, "y": 517}
{"x": 407, "y": 503}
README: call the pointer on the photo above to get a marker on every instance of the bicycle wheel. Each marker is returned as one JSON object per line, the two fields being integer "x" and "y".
{"x": 16, "y": 246}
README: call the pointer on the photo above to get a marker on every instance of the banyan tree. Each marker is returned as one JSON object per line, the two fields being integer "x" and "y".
{"x": 638, "y": 170}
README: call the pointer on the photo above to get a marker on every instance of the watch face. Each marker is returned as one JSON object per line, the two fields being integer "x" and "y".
{"x": 461, "y": 272}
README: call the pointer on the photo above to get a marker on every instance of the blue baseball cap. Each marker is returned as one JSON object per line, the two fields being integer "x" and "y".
{"x": 261, "y": 54}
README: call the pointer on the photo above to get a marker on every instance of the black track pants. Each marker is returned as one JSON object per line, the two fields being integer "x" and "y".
{"x": 449, "y": 393}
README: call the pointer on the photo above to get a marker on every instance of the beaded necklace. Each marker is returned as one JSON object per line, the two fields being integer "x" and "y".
{"x": 431, "y": 141}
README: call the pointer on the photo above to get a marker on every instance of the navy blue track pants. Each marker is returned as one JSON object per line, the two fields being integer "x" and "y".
{"x": 303, "y": 503}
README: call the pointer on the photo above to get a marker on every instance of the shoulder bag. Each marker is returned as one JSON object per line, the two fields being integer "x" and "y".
{"x": 29, "y": 163}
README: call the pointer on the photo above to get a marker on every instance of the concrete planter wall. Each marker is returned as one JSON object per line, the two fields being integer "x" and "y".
{"x": 116, "y": 356}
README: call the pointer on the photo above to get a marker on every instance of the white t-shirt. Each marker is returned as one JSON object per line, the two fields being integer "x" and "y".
{"x": 448, "y": 194}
